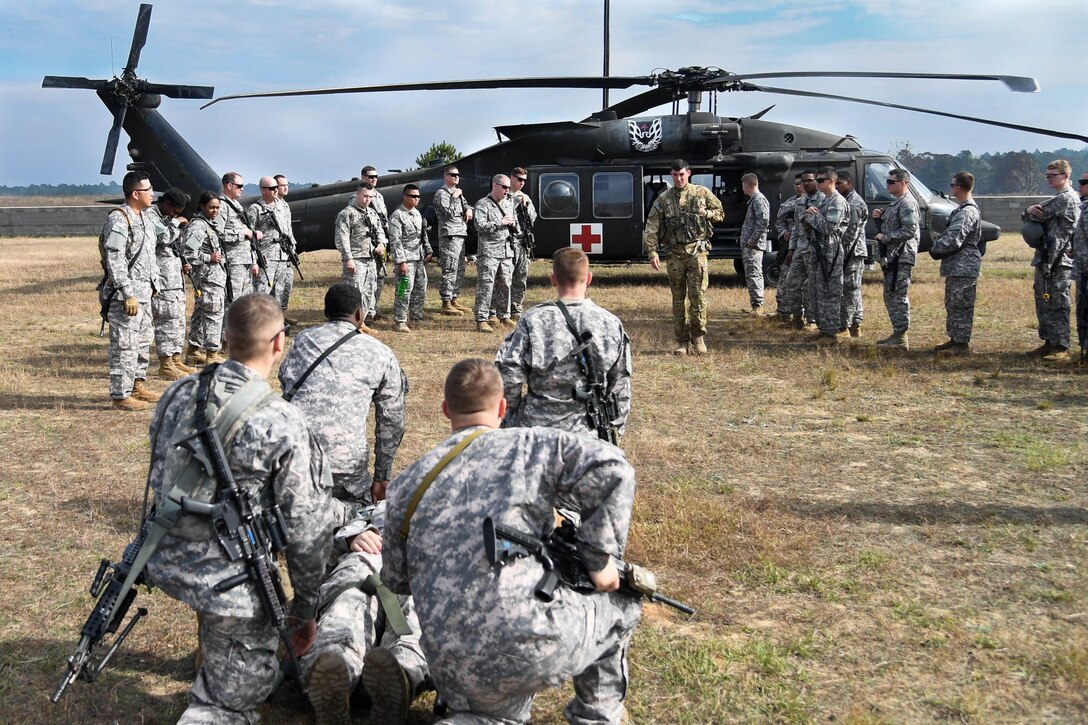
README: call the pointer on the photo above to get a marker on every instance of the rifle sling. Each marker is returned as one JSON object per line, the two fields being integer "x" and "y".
{"x": 302, "y": 378}
{"x": 583, "y": 358}
{"x": 375, "y": 587}
{"x": 417, "y": 496}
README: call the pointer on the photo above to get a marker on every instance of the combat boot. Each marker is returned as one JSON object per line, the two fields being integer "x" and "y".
{"x": 493, "y": 321}
{"x": 401, "y": 327}
{"x": 855, "y": 329}
{"x": 960, "y": 348}
{"x": 129, "y": 403}
{"x": 1060, "y": 354}
{"x": 140, "y": 391}
{"x": 290, "y": 321}
{"x": 330, "y": 690}
{"x": 181, "y": 365}
{"x": 797, "y": 322}
{"x": 826, "y": 340}
{"x": 947, "y": 345}
{"x": 387, "y": 685}
{"x": 167, "y": 369}
{"x": 757, "y": 310}
{"x": 1043, "y": 350}
{"x": 515, "y": 317}
{"x": 363, "y": 327}
{"x": 698, "y": 345}
{"x": 507, "y": 323}
{"x": 484, "y": 327}
{"x": 896, "y": 340}
{"x": 457, "y": 306}
{"x": 196, "y": 356}
{"x": 449, "y": 309}
{"x": 215, "y": 356}
{"x": 681, "y": 348}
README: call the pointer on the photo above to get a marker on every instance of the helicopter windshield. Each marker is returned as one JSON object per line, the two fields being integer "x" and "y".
{"x": 876, "y": 190}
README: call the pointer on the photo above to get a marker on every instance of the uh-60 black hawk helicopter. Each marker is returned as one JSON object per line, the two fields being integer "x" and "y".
{"x": 594, "y": 180}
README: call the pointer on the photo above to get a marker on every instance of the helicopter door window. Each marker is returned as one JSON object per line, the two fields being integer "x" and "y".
{"x": 875, "y": 189}
{"x": 613, "y": 195}
{"x": 559, "y": 196}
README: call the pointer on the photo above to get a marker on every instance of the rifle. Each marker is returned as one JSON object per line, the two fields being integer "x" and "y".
{"x": 526, "y": 225}
{"x": 558, "y": 554}
{"x": 372, "y": 232}
{"x": 262, "y": 261}
{"x": 175, "y": 247}
{"x": 287, "y": 249}
{"x": 601, "y": 408}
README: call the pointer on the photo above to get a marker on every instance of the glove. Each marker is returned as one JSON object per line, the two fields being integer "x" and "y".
{"x": 132, "y": 306}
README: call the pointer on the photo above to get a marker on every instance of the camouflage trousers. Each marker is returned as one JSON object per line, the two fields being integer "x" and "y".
{"x": 520, "y": 276}
{"x": 493, "y": 281}
{"x": 283, "y": 282}
{"x": 1053, "y": 313}
{"x": 853, "y": 308}
{"x": 688, "y": 279}
{"x": 753, "y": 274}
{"x": 896, "y": 286}
{"x": 451, "y": 257}
{"x": 959, "y": 307}
{"x": 489, "y": 686}
{"x": 411, "y": 302}
{"x": 826, "y": 291}
{"x": 241, "y": 281}
{"x": 349, "y": 621}
{"x": 168, "y": 309}
{"x": 237, "y": 671}
{"x": 1082, "y": 309}
{"x": 794, "y": 291}
{"x": 380, "y": 274}
{"x": 364, "y": 279}
{"x": 130, "y": 345}
{"x": 206, "y": 325}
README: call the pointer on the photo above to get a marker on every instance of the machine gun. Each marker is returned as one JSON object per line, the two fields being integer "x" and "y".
{"x": 558, "y": 554}
{"x": 601, "y": 408}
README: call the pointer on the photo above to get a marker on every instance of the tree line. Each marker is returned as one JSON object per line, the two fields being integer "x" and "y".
{"x": 1009, "y": 172}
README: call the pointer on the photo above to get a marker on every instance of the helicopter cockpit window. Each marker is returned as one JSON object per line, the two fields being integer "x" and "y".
{"x": 613, "y": 195}
{"x": 559, "y": 196}
{"x": 875, "y": 188}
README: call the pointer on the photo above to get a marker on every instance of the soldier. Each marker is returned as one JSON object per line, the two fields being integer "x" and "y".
{"x": 127, "y": 249}
{"x": 797, "y": 292}
{"x": 826, "y": 223}
{"x": 525, "y": 215}
{"x": 454, "y": 214}
{"x": 753, "y": 240}
{"x": 784, "y": 222}
{"x": 237, "y": 238}
{"x": 359, "y": 237}
{"x": 854, "y": 254}
{"x": 409, "y": 249}
{"x": 897, "y": 251}
{"x": 961, "y": 262}
{"x": 369, "y": 174}
{"x": 285, "y": 284}
{"x": 261, "y": 218}
{"x": 1053, "y": 262}
{"x": 203, "y": 249}
{"x": 168, "y": 305}
{"x": 683, "y": 217}
{"x": 494, "y": 219}
{"x": 1080, "y": 269}
{"x": 275, "y": 461}
{"x": 491, "y": 645}
{"x": 337, "y": 392}
{"x": 540, "y": 355}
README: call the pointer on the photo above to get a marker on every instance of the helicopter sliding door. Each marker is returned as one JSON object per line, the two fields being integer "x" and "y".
{"x": 598, "y": 209}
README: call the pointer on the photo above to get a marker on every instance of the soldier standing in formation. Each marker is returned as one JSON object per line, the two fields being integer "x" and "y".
{"x": 359, "y": 237}
{"x": 961, "y": 263}
{"x": 127, "y": 248}
{"x": 1080, "y": 269}
{"x": 826, "y": 223}
{"x": 753, "y": 240}
{"x": 540, "y": 371}
{"x": 490, "y": 644}
{"x": 285, "y": 282}
{"x": 370, "y": 175}
{"x": 237, "y": 238}
{"x": 495, "y": 220}
{"x": 854, "y": 253}
{"x": 168, "y": 304}
{"x": 525, "y": 216}
{"x": 797, "y": 294}
{"x": 897, "y": 251}
{"x": 203, "y": 249}
{"x": 260, "y": 216}
{"x": 683, "y": 217}
{"x": 409, "y": 249}
{"x": 784, "y": 222}
{"x": 454, "y": 214}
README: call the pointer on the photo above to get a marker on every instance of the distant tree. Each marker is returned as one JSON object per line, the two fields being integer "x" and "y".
{"x": 440, "y": 151}
{"x": 1017, "y": 173}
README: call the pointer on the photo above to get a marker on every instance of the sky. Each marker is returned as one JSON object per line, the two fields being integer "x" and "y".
{"x": 51, "y": 136}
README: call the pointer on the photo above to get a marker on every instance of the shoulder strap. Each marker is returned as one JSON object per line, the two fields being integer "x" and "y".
{"x": 302, "y": 378}
{"x": 433, "y": 474}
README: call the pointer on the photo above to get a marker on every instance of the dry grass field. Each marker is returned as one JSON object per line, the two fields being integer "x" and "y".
{"x": 868, "y": 538}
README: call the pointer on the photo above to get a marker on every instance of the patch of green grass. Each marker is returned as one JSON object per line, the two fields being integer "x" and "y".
{"x": 1037, "y": 454}
{"x": 872, "y": 559}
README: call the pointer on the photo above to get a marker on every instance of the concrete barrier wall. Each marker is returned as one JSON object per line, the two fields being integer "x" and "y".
{"x": 1005, "y": 211}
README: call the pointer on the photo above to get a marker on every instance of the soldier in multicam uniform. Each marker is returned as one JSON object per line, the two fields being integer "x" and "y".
{"x": 285, "y": 282}
{"x": 855, "y": 252}
{"x": 826, "y": 223}
{"x": 961, "y": 263}
{"x": 274, "y": 458}
{"x": 359, "y": 236}
{"x": 369, "y": 174}
{"x": 127, "y": 248}
{"x": 784, "y": 223}
{"x": 454, "y": 214}
{"x": 1080, "y": 269}
{"x": 495, "y": 220}
{"x": 491, "y": 645}
{"x": 168, "y": 305}
{"x": 897, "y": 251}
{"x": 237, "y": 237}
{"x": 683, "y": 217}
{"x": 1053, "y": 262}
{"x": 539, "y": 370}
{"x": 203, "y": 249}
{"x": 796, "y": 294}
{"x": 261, "y": 217}
{"x": 525, "y": 216}
{"x": 753, "y": 240}
{"x": 409, "y": 249}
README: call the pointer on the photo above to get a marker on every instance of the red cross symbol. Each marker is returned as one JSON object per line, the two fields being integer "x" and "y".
{"x": 588, "y": 238}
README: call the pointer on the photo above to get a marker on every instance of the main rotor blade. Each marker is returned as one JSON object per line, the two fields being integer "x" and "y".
{"x": 111, "y": 140}
{"x": 973, "y": 119}
{"x": 644, "y": 101}
{"x": 139, "y": 36}
{"x": 1017, "y": 84}
{"x": 173, "y": 90}
{"x": 72, "y": 82}
{"x": 545, "y": 82}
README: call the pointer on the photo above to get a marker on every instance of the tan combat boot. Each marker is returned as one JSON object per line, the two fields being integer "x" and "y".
{"x": 129, "y": 403}
{"x": 507, "y": 323}
{"x": 825, "y": 340}
{"x": 947, "y": 345}
{"x": 181, "y": 365}
{"x": 457, "y": 306}
{"x": 698, "y": 345}
{"x": 484, "y": 327}
{"x": 401, "y": 327}
{"x": 330, "y": 689}
{"x": 449, "y": 310}
{"x": 757, "y": 310}
{"x": 387, "y": 685}
{"x": 493, "y": 321}
{"x": 681, "y": 348}
{"x": 196, "y": 356}
{"x": 896, "y": 340}
{"x": 216, "y": 356}
{"x": 140, "y": 391}
{"x": 855, "y": 329}
{"x": 167, "y": 369}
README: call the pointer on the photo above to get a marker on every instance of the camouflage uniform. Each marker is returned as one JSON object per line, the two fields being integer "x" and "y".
{"x": 358, "y": 233}
{"x": 853, "y": 268}
{"x": 408, "y": 243}
{"x": 1080, "y": 271}
{"x": 1053, "y": 262}
{"x": 127, "y": 244}
{"x": 495, "y": 260}
{"x": 336, "y": 400}
{"x": 523, "y": 255}
{"x": 537, "y": 355}
{"x": 452, "y": 230}
{"x": 201, "y": 238}
{"x": 231, "y": 223}
{"x": 797, "y": 295}
{"x": 491, "y": 645}
{"x": 897, "y": 251}
{"x": 168, "y": 304}
{"x": 753, "y": 244}
{"x": 825, "y": 230}
{"x": 262, "y": 218}
{"x": 380, "y": 272}
{"x": 273, "y": 456}
{"x": 687, "y": 237}
{"x": 960, "y": 266}
{"x": 284, "y": 282}
{"x": 784, "y": 222}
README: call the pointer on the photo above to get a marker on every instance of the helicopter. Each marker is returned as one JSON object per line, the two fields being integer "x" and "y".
{"x": 593, "y": 181}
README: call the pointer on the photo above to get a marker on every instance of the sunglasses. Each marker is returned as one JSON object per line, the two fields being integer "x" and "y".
{"x": 892, "y": 182}
{"x": 505, "y": 187}
{"x": 452, "y": 174}
{"x": 518, "y": 178}
{"x": 371, "y": 176}
{"x": 270, "y": 187}
{"x": 1083, "y": 182}
{"x": 1051, "y": 176}
{"x": 822, "y": 179}
{"x": 412, "y": 196}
